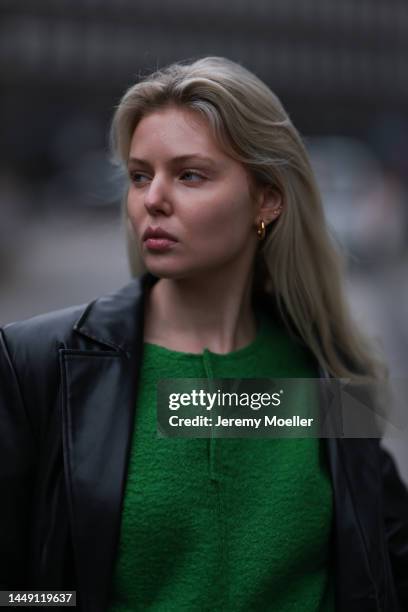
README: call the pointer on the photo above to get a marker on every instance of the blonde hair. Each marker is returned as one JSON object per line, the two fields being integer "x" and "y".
{"x": 299, "y": 264}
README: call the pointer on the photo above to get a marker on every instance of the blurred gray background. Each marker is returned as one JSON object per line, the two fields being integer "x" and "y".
{"x": 339, "y": 68}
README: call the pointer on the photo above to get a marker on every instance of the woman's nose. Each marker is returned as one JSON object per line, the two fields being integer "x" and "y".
{"x": 157, "y": 197}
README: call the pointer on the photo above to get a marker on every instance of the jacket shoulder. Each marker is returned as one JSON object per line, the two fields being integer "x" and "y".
{"x": 51, "y": 329}
{"x": 107, "y": 320}
{"x": 29, "y": 371}
{"x": 30, "y": 349}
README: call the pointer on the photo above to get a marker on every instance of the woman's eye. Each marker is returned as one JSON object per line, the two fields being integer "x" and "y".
{"x": 138, "y": 178}
{"x": 188, "y": 176}
{"x": 192, "y": 177}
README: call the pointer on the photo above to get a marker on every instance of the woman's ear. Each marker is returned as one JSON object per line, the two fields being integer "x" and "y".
{"x": 270, "y": 204}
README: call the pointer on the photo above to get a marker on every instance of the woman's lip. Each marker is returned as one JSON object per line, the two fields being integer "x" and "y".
{"x": 159, "y": 244}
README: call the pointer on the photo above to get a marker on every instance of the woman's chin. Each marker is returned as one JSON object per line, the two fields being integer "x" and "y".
{"x": 167, "y": 271}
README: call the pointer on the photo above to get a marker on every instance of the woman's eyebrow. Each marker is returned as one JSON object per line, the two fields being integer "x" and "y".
{"x": 175, "y": 160}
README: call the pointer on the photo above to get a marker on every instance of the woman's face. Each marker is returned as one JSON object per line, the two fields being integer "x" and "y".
{"x": 182, "y": 182}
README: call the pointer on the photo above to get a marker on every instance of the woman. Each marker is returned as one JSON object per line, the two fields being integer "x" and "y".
{"x": 241, "y": 280}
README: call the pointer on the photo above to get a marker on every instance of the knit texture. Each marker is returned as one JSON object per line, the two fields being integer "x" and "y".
{"x": 224, "y": 524}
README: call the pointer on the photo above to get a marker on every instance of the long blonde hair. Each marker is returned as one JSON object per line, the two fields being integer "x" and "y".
{"x": 299, "y": 265}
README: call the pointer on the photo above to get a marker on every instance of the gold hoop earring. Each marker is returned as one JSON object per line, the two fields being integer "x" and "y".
{"x": 260, "y": 230}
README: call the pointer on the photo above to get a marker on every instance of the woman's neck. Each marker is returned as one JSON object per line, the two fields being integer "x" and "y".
{"x": 189, "y": 315}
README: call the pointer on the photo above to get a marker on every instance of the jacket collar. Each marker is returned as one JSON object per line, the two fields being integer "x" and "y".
{"x": 116, "y": 320}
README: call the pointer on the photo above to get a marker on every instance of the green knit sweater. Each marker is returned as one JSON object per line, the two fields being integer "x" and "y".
{"x": 224, "y": 524}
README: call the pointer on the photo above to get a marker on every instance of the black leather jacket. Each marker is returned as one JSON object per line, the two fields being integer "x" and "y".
{"x": 67, "y": 396}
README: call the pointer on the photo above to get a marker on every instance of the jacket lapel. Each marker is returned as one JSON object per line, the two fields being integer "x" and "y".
{"x": 355, "y": 586}
{"x": 99, "y": 395}
{"x": 356, "y": 561}
{"x": 97, "y": 419}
